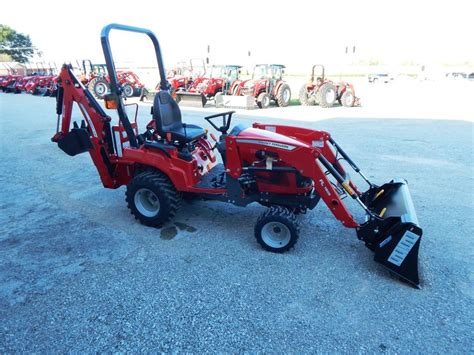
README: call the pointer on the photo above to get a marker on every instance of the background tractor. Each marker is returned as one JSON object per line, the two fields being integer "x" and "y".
{"x": 267, "y": 84}
{"x": 96, "y": 78}
{"x": 182, "y": 76}
{"x": 318, "y": 90}
{"x": 205, "y": 87}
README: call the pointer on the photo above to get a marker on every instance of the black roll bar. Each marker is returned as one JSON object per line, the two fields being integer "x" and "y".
{"x": 114, "y": 87}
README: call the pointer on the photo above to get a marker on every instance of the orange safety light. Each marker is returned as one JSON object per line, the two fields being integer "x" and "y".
{"x": 110, "y": 102}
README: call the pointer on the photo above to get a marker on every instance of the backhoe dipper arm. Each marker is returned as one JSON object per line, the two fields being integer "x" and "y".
{"x": 92, "y": 135}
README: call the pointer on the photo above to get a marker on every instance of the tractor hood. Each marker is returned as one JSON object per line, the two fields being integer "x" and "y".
{"x": 247, "y": 83}
{"x": 269, "y": 139}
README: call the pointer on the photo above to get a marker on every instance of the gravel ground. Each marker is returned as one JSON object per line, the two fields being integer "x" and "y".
{"x": 79, "y": 274}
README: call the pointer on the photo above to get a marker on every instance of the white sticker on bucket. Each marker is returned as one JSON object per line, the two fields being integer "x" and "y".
{"x": 403, "y": 248}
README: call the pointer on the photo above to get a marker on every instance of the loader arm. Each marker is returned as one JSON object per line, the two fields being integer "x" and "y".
{"x": 391, "y": 228}
{"x": 318, "y": 139}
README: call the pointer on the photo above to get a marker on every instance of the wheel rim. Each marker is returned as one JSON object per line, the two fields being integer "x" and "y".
{"x": 266, "y": 101}
{"x": 147, "y": 202}
{"x": 276, "y": 234}
{"x": 128, "y": 90}
{"x": 286, "y": 95}
{"x": 330, "y": 95}
{"x": 100, "y": 89}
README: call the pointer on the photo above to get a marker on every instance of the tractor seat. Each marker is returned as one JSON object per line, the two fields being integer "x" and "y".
{"x": 167, "y": 116}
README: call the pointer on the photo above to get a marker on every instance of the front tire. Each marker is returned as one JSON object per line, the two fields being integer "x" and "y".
{"x": 283, "y": 96}
{"x": 277, "y": 229}
{"x": 152, "y": 198}
{"x": 128, "y": 90}
{"x": 263, "y": 100}
{"x": 348, "y": 99}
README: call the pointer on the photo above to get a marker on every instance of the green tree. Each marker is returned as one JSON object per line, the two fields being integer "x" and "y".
{"x": 15, "y": 45}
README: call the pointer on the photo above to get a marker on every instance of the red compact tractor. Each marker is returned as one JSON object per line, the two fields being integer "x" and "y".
{"x": 96, "y": 78}
{"x": 182, "y": 77}
{"x": 9, "y": 82}
{"x": 323, "y": 92}
{"x": 286, "y": 169}
{"x": 205, "y": 88}
{"x": 267, "y": 84}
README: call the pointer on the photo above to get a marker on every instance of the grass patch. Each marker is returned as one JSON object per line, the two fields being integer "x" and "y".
{"x": 294, "y": 102}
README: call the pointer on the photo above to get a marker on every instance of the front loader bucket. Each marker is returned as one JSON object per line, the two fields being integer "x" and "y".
{"x": 233, "y": 101}
{"x": 191, "y": 99}
{"x": 393, "y": 231}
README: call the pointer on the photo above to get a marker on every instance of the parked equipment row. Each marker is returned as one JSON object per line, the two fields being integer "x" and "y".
{"x": 223, "y": 84}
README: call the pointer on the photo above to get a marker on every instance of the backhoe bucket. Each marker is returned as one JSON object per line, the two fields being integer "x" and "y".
{"x": 77, "y": 141}
{"x": 191, "y": 99}
{"x": 393, "y": 231}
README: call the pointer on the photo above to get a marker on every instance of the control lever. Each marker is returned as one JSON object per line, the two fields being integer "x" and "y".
{"x": 213, "y": 137}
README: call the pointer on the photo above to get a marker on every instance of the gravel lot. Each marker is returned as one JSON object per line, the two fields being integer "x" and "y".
{"x": 79, "y": 274}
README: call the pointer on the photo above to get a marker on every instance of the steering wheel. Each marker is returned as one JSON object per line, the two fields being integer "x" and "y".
{"x": 226, "y": 119}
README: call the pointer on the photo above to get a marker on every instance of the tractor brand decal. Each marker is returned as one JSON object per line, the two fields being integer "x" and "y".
{"x": 321, "y": 182}
{"x": 403, "y": 248}
{"x": 267, "y": 143}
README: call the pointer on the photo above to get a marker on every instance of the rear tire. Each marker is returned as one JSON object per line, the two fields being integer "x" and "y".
{"x": 277, "y": 229}
{"x": 327, "y": 95}
{"x": 152, "y": 198}
{"x": 347, "y": 99}
{"x": 263, "y": 100}
{"x": 305, "y": 98}
{"x": 101, "y": 88}
{"x": 283, "y": 96}
{"x": 91, "y": 84}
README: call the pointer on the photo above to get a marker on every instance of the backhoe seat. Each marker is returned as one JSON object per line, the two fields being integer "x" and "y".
{"x": 167, "y": 116}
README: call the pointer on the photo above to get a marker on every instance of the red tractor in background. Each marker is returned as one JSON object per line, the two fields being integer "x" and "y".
{"x": 267, "y": 84}
{"x": 9, "y": 81}
{"x": 44, "y": 82}
{"x": 182, "y": 76}
{"x": 323, "y": 92}
{"x": 96, "y": 78}
{"x": 205, "y": 87}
